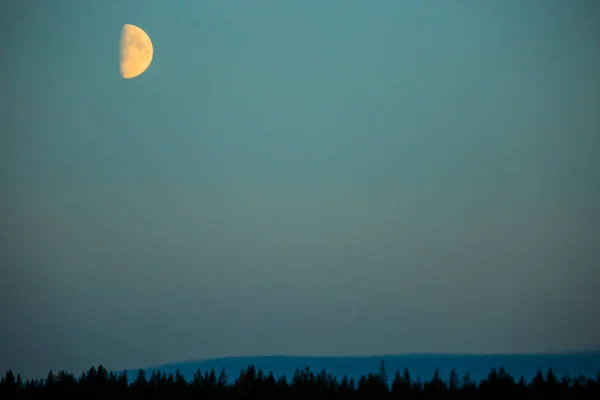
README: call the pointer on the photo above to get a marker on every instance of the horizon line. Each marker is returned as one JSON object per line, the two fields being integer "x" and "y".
{"x": 377, "y": 355}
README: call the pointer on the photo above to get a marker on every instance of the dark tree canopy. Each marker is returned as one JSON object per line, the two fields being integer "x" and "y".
{"x": 98, "y": 383}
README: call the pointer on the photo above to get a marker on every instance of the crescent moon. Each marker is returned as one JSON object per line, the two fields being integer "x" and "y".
{"x": 136, "y": 51}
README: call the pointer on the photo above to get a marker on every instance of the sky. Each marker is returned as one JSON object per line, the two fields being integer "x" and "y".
{"x": 299, "y": 178}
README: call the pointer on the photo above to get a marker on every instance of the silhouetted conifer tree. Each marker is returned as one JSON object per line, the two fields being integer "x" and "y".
{"x": 538, "y": 384}
{"x": 383, "y": 377}
{"x": 453, "y": 382}
{"x": 468, "y": 386}
{"x": 435, "y": 387}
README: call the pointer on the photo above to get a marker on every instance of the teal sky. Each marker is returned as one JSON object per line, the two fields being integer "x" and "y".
{"x": 298, "y": 177}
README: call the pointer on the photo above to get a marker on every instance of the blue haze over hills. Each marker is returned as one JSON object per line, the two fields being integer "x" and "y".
{"x": 420, "y": 366}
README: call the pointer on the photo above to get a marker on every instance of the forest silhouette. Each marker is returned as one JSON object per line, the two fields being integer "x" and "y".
{"x": 99, "y": 383}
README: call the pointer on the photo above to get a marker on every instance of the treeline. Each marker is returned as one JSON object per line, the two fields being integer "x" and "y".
{"x": 98, "y": 383}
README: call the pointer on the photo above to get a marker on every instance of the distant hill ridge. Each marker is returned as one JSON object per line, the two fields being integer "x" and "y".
{"x": 421, "y": 365}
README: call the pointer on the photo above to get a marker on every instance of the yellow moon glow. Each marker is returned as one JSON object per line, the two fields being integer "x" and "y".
{"x": 136, "y": 51}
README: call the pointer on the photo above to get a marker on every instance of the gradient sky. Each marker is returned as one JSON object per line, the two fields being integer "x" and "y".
{"x": 298, "y": 177}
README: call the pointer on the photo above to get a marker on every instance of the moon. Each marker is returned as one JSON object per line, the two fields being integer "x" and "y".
{"x": 136, "y": 51}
